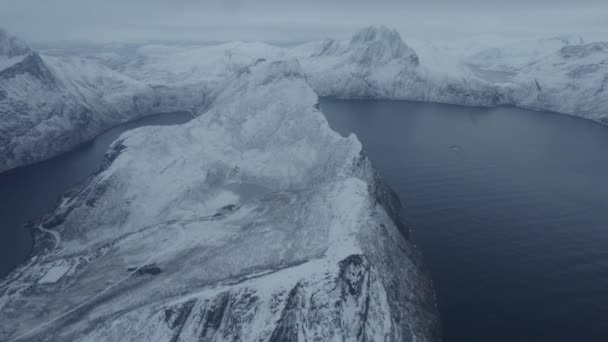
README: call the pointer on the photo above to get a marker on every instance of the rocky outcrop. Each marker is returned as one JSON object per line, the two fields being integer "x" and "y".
{"x": 379, "y": 45}
{"x": 34, "y": 109}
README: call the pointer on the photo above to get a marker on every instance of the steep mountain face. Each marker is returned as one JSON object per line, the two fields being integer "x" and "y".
{"x": 563, "y": 75}
{"x": 34, "y": 110}
{"x": 376, "y": 63}
{"x": 573, "y": 80}
{"x": 362, "y": 67}
{"x": 254, "y": 221}
{"x": 379, "y": 45}
{"x": 49, "y": 104}
{"x": 65, "y": 100}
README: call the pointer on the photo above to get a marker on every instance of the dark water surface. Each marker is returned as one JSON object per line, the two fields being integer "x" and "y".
{"x": 29, "y": 192}
{"x": 509, "y": 207}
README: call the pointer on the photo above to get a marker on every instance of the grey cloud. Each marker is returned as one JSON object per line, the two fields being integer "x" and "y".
{"x": 205, "y": 20}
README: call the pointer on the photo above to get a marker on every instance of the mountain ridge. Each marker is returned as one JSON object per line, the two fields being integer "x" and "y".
{"x": 260, "y": 167}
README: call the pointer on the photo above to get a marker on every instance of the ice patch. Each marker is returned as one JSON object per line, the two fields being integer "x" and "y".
{"x": 55, "y": 273}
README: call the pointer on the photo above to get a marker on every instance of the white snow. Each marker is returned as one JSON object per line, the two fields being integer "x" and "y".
{"x": 253, "y": 207}
{"x": 55, "y": 272}
{"x": 88, "y": 93}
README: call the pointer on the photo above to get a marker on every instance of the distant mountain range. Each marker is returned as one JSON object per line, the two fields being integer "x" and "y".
{"x": 63, "y": 100}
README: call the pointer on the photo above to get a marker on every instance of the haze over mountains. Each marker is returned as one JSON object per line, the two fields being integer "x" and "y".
{"x": 254, "y": 220}
{"x": 66, "y": 98}
{"x": 165, "y": 242}
{"x": 290, "y": 20}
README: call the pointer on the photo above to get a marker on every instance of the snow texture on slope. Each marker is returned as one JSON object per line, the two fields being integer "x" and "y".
{"x": 377, "y": 64}
{"x": 561, "y": 74}
{"x": 49, "y": 104}
{"x": 253, "y": 222}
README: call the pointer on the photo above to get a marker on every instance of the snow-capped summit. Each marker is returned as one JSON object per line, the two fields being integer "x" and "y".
{"x": 378, "y": 44}
{"x": 252, "y": 222}
{"x": 11, "y": 46}
{"x": 363, "y": 66}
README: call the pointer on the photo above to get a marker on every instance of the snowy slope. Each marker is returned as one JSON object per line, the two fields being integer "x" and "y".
{"x": 254, "y": 221}
{"x": 63, "y": 100}
{"x": 48, "y": 105}
{"x": 36, "y": 114}
{"x": 51, "y": 103}
{"x": 376, "y": 63}
{"x": 561, "y": 74}
{"x": 571, "y": 80}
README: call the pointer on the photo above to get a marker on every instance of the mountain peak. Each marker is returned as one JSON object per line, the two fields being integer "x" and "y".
{"x": 380, "y": 44}
{"x": 11, "y": 46}
{"x": 372, "y": 33}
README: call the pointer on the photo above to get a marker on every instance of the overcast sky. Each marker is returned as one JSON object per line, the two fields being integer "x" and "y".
{"x": 287, "y": 20}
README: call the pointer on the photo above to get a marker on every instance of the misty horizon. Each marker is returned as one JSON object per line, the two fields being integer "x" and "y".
{"x": 290, "y": 21}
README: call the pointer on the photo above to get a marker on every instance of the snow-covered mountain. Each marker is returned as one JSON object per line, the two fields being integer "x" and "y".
{"x": 51, "y": 103}
{"x": 370, "y": 65}
{"x": 377, "y": 64}
{"x": 572, "y": 80}
{"x": 63, "y": 100}
{"x": 560, "y": 74}
{"x": 34, "y": 108}
{"x": 254, "y": 222}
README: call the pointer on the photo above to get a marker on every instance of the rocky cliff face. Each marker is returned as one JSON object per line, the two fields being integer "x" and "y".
{"x": 379, "y": 45}
{"x": 254, "y": 221}
{"x": 34, "y": 108}
{"x": 48, "y": 105}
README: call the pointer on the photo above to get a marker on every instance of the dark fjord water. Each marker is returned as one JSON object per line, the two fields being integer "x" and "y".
{"x": 29, "y": 192}
{"x": 508, "y": 206}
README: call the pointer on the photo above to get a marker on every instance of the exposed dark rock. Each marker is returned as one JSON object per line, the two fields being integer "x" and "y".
{"x": 183, "y": 313}
{"x": 352, "y": 274}
{"x": 151, "y": 269}
{"x": 214, "y": 315}
{"x": 33, "y": 65}
{"x": 289, "y": 324}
